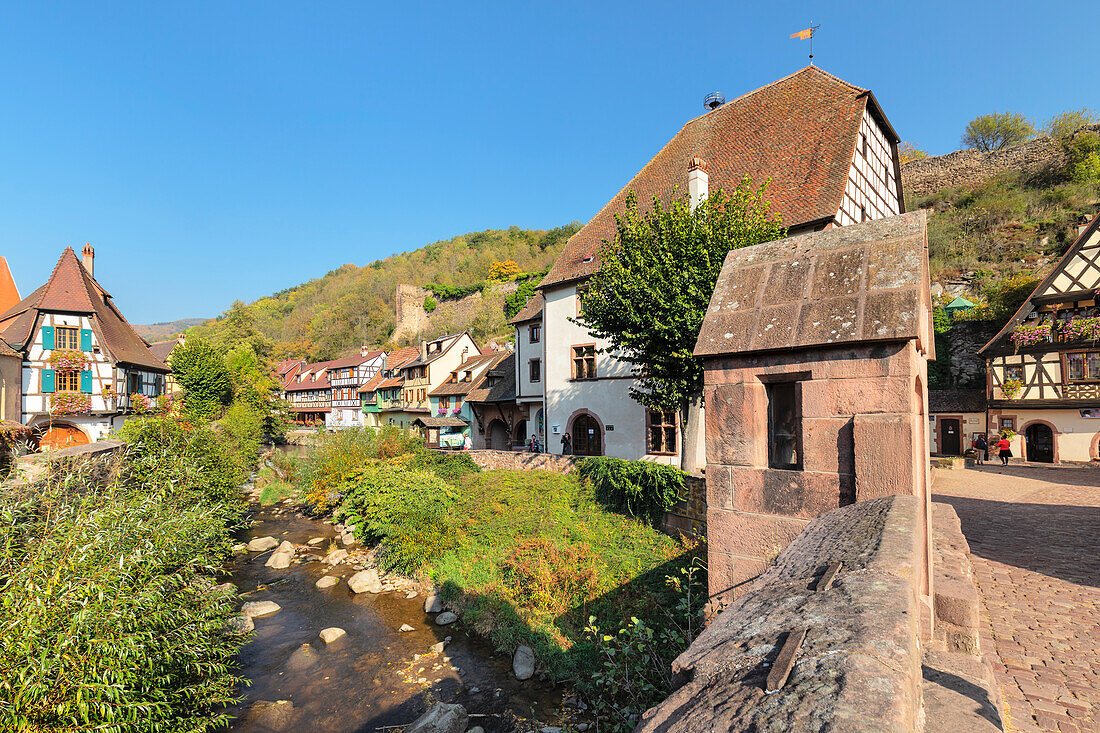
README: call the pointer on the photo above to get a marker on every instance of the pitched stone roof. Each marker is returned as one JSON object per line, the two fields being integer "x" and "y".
{"x": 956, "y": 400}
{"x": 801, "y": 131}
{"x": 71, "y": 289}
{"x": 860, "y": 283}
{"x": 161, "y": 349}
{"x": 531, "y": 311}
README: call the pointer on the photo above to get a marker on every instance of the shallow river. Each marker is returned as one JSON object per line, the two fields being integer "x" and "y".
{"x": 367, "y": 679}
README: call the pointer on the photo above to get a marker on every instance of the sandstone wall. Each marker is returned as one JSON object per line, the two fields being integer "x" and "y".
{"x": 33, "y": 467}
{"x": 450, "y": 316}
{"x": 967, "y": 167}
{"x": 859, "y": 666}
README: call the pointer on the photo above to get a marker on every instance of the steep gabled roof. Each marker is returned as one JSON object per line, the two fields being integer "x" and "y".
{"x": 71, "y": 289}
{"x": 1075, "y": 277}
{"x": 505, "y": 388}
{"x": 800, "y": 131}
{"x": 459, "y": 387}
{"x": 9, "y": 294}
{"x": 530, "y": 312}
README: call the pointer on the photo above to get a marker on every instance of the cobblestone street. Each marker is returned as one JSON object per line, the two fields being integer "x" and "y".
{"x": 1034, "y": 535}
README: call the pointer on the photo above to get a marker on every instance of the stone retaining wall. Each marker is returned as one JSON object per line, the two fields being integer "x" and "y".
{"x": 32, "y": 467}
{"x": 522, "y": 461}
{"x": 859, "y": 667}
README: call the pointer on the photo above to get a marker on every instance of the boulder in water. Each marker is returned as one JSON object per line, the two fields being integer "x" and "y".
{"x": 365, "y": 581}
{"x": 331, "y": 634}
{"x": 327, "y": 581}
{"x": 259, "y": 609}
{"x": 261, "y": 544}
{"x": 432, "y": 604}
{"x": 523, "y": 663}
{"x": 442, "y": 718}
{"x": 446, "y": 618}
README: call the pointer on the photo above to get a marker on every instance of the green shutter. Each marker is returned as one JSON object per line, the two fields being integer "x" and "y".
{"x": 85, "y": 339}
{"x": 48, "y": 377}
{"x": 86, "y": 381}
{"x": 47, "y": 338}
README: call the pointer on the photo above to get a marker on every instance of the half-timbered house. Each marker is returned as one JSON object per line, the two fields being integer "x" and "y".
{"x": 84, "y": 368}
{"x": 1043, "y": 367}
{"x": 346, "y": 376}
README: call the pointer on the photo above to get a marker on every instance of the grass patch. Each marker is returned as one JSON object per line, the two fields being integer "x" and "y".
{"x": 275, "y": 492}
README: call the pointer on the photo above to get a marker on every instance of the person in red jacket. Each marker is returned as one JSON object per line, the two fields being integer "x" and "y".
{"x": 1004, "y": 449}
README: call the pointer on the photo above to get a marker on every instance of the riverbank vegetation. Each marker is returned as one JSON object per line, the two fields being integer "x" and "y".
{"x": 525, "y": 557}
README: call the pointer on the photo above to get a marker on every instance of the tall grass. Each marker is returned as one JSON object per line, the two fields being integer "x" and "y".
{"x": 108, "y": 620}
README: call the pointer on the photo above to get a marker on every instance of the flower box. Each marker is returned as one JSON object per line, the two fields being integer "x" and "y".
{"x": 1081, "y": 329}
{"x": 140, "y": 403}
{"x": 1026, "y": 335}
{"x": 65, "y": 360}
{"x": 70, "y": 403}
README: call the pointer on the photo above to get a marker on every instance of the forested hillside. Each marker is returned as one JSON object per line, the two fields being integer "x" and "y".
{"x": 352, "y": 305}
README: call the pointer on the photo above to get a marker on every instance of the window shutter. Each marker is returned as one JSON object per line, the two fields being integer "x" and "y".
{"x": 86, "y": 381}
{"x": 47, "y": 338}
{"x": 48, "y": 377}
{"x": 85, "y": 339}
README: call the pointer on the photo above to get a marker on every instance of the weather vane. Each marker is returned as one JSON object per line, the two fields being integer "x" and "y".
{"x": 808, "y": 34}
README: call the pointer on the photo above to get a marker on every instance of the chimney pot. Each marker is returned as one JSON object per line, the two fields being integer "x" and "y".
{"x": 698, "y": 181}
{"x": 89, "y": 259}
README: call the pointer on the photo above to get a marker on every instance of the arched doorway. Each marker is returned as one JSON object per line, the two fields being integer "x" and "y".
{"x": 61, "y": 435}
{"x": 521, "y": 432}
{"x": 587, "y": 436}
{"x": 1040, "y": 443}
{"x": 498, "y": 436}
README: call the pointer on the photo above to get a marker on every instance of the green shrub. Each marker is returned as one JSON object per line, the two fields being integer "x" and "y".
{"x": 108, "y": 617}
{"x": 451, "y": 467}
{"x": 997, "y": 130}
{"x": 1065, "y": 124}
{"x": 638, "y": 488}
{"x": 405, "y": 511}
{"x": 515, "y": 302}
{"x": 201, "y": 370}
{"x": 430, "y": 304}
{"x": 1083, "y": 159}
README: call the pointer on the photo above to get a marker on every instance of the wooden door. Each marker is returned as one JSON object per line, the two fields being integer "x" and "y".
{"x": 950, "y": 437}
{"x": 62, "y": 436}
{"x": 1040, "y": 443}
{"x": 498, "y": 436}
{"x": 587, "y": 436}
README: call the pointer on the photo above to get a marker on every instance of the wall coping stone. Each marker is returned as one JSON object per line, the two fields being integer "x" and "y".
{"x": 859, "y": 667}
{"x": 31, "y": 467}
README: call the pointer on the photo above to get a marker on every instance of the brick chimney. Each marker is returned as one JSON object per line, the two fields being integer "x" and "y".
{"x": 698, "y": 187}
{"x": 89, "y": 259}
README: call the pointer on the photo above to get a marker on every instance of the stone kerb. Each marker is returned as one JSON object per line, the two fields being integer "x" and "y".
{"x": 859, "y": 666}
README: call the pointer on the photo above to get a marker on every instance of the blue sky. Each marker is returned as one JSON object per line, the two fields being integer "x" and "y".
{"x": 211, "y": 151}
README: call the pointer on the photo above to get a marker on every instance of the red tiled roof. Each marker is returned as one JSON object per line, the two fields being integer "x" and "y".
{"x": 9, "y": 294}
{"x": 71, "y": 289}
{"x": 800, "y": 130}
{"x": 391, "y": 382}
{"x": 308, "y": 384}
{"x": 372, "y": 383}
{"x": 461, "y": 388}
{"x": 531, "y": 311}
{"x": 161, "y": 349}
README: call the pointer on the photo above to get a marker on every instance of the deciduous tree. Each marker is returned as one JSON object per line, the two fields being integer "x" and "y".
{"x": 654, "y": 284}
{"x": 996, "y": 131}
{"x": 199, "y": 367}
{"x": 1063, "y": 125}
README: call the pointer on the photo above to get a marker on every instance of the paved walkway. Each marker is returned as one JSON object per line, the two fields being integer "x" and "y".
{"x": 1034, "y": 534}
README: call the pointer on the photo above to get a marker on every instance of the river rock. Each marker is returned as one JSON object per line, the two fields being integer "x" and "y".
{"x": 523, "y": 663}
{"x": 240, "y": 548}
{"x": 287, "y": 547}
{"x": 476, "y": 729}
{"x": 303, "y": 657}
{"x": 331, "y": 634}
{"x": 406, "y": 627}
{"x": 347, "y": 539}
{"x": 432, "y": 604}
{"x": 278, "y": 560}
{"x": 327, "y": 581}
{"x": 316, "y": 541}
{"x": 438, "y": 647}
{"x": 260, "y": 544}
{"x": 442, "y": 718}
{"x": 365, "y": 581}
{"x": 259, "y": 609}
{"x": 276, "y": 715}
{"x": 336, "y": 557}
{"x": 410, "y": 595}
{"x": 446, "y": 618}
{"x": 240, "y": 624}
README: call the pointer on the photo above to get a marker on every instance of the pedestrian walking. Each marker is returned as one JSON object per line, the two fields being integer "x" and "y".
{"x": 1004, "y": 449}
{"x": 981, "y": 448}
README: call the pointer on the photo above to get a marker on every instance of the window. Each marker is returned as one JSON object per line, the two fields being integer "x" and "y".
{"x": 534, "y": 332}
{"x": 784, "y": 426}
{"x": 863, "y": 144}
{"x": 458, "y": 403}
{"x": 1083, "y": 366}
{"x": 1015, "y": 372}
{"x": 863, "y": 213}
{"x": 536, "y": 370}
{"x": 135, "y": 382}
{"x": 584, "y": 362}
{"x": 67, "y": 381}
{"x": 66, "y": 338}
{"x": 661, "y": 432}
{"x": 444, "y": 402}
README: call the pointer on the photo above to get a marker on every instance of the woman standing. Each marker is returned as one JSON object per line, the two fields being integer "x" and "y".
{"x": 566, "y": 445}
{"x": 1004, "y": 449}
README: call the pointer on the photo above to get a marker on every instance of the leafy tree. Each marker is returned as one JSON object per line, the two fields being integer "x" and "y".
{"x": 997, "y": 130}
{"x": 655, "y": 281}
{"x": 1061, "y": 126}
{"x": 1083, "y": 158}
{"x": 907, "y": 153}
{"x": 200, "y": 368}
{"x": 501, "y": 271}
{"x": 515, "y": 302}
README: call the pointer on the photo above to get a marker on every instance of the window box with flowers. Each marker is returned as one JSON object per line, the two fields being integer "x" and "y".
{"x": 1029, "y": 335}
{"x": 66, "y": 360}
{"x": 70, "y": 403}
{"x": 1081, "y": 329}
{"x": 1011, "y": 388}
{"x": 140, "y": 404}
